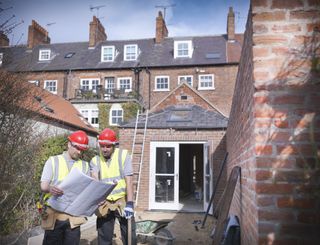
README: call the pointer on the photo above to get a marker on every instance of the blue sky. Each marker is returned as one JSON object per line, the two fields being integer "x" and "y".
{"x": 68, "y": 20}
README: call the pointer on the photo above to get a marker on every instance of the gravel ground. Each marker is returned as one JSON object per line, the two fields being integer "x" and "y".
{"x": 183, "y": 227}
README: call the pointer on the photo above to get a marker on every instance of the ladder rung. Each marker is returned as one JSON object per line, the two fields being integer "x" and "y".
{"x": 139, "y": 137}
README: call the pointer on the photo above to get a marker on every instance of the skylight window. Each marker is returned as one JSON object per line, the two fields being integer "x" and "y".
{"x": 69, "y": 55}
{"x": 180, "y": 116}
{"x": 213, "y": 55}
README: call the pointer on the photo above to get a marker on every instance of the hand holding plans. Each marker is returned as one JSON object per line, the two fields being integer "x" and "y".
{"x": 81, "y": 194}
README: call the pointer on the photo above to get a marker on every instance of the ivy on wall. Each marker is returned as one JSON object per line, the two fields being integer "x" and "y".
{"x": 129, "y": 112}
{"x": 104, "y": 110}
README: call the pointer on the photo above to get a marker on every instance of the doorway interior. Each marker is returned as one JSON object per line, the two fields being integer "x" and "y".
{"x": 191, "y": 177}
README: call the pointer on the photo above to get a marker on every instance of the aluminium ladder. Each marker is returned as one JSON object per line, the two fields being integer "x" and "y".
{"x": 139, "y": 137}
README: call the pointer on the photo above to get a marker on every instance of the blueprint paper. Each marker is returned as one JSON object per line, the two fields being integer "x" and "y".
{"x": 81, "y": 194}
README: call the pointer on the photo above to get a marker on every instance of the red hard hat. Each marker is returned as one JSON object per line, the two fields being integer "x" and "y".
{"x": 79, "y": 139}
{"x": 107, "y": 136}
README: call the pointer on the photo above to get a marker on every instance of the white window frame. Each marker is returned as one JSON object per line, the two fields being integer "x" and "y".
{"x": 156, "y": 83}
{"x": 201, "y": 87}
{"x": 132, "y": 55}
{"x": 88, "y": 114}
{"x": 110, "y": 89}
{"x": 124, "y": 78}
{"x": 56, "y": 86}
{"x": 185, "y": 77}
{"x": 117, "y": 108}
{"x": 1, "y": 58}
{"x": 44, "y": 54}
{"x": 90, "y": 84}
{"x": 106, "y": 57}
{"x": 189, "y": 49}
{"x": 35, "y": 82}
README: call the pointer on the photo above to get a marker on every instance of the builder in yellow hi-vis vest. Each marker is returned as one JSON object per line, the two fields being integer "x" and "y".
{"x": 114, "y": 165}
{"x": 61, "y": 228}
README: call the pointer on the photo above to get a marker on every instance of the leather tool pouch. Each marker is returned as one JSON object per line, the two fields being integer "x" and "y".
{"x": 103, "y": 210}
{"x": 48, "y": 219}
{"x": 76, "y": 221}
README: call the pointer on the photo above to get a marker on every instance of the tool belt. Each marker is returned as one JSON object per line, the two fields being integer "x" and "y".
{"x": 108, "y": 206}
{"x": 50, "y": 216}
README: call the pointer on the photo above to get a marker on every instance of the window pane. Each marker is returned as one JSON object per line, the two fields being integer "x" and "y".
{"x": 187, "y": 79}
{"x": 131, "y": 52}
{"x": 182, "y": 49}
{"x": 109, "y": 85}
{"x": 162, "y": 83}
{"x": 51, "y": 86}
{"x": 116, "y": 116}
{"x": 124, "y": 83}
{"x": 85, "y": 84}
{"x": 206, "y": 81}
{"x": 108, "y": 53}
{"x": 85, "y": 114}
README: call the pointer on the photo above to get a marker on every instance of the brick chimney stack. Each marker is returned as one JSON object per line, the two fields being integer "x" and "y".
{"x": 161, "y": 28}
{"x": 37, "y": 35}
{"x": 4, "y": 40}
{"x": 97, "y": 33}
{"x": 230, "y": 25}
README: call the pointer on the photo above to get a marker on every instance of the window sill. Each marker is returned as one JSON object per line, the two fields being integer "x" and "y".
{"x": 206, "y": 88}
{"x": 161, "y": 90}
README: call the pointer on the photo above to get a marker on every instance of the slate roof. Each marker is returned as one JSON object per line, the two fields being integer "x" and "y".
{"x": 208, "y": 50}
{"x": 182, "y": 117}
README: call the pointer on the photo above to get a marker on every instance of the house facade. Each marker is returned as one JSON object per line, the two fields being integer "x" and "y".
{"x": 184, "y": 78}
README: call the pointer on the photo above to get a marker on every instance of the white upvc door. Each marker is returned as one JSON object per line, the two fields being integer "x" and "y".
{"x": 164, "y": 175}
{"x": 207, "y": 177}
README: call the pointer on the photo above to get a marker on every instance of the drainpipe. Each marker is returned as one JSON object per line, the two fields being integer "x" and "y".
{"x": 137, "y": 71}
{"x": 65, "y": 84}
{"x": 149, "y": 91}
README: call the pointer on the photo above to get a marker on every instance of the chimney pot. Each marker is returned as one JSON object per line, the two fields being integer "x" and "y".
{"x": 96, "y": 33}
{"x": 37, "y": 35}
{"x": 4, "y": 40}
{"x": 161, "y": 28}
{"x": 230, "y": 25}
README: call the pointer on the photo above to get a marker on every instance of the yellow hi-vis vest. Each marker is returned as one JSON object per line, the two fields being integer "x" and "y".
{"x": 113, "y": 172}
{"x": 60, "y": 169}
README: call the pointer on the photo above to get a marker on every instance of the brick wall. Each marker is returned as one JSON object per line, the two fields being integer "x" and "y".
{"x": 240, "y": 142}
{"x": 224, "y": 80}
{"x": 214, "y": 138}
{"x": 274, "y": 127}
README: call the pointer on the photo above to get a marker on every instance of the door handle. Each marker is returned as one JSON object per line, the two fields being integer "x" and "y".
{"x": 177, "y": 176}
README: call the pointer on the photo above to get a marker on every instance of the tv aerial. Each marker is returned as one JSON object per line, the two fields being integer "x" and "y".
{"x": 96, "y": 8}
{"x": 50, "y": 24}
{"x": 164, "y": 7}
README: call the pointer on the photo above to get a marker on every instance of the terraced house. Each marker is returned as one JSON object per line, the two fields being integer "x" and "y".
{"x": 185, "y": 83}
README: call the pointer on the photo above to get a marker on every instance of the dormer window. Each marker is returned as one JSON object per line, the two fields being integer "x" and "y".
{"x": 130, "y": 52}
{"x": 183, "y": 49}
{"x": 108, "y": 53}
{"x": 44, "y": 54}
